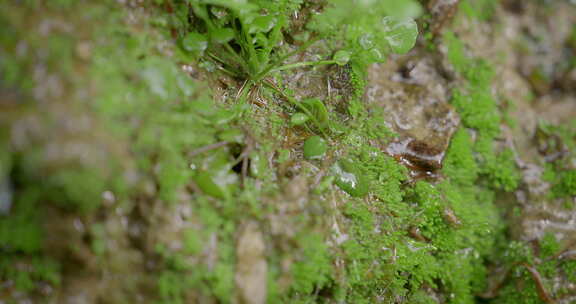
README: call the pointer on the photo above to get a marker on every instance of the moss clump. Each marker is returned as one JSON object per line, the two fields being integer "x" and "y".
{"x": 313, "y": 270}
{"x": 560, "y": 142}
{"x": 459, "y": 162}
{"x": 479, "y": 9}
{"x": 478, "y": 109}
{"x": 216, "y": 161}
{"x": 501, "y": 171}
{"x": 25, "y": 273}
{"x": 565, "y": 184}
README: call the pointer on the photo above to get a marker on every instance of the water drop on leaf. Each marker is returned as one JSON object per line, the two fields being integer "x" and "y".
{"x": 366, "y": 41}
{"x": 375, "y": 55}
{"x": 349, "y": 178}
{"x": 399, "y": 34}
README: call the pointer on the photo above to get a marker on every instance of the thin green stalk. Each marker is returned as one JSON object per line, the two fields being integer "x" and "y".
{"x": 301, "y": 49}
{"x": 239, "y": 58}
{"x": 278, "y": 62}
{"x": 248, "y": 46}
{"x": 221, "y": 65}
{"x": 302, "y": 64}
{"x": 297, "y": 105}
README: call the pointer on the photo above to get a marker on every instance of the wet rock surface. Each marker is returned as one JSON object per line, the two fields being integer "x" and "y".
{"x": 415, "y": 99}
{"x": 181, "y": 245}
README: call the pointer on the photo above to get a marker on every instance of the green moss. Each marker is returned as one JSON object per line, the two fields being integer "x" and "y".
{"x": 513, "y": 293}
{"x": 479, "y": 75}
{"x": 502, "y": 171}
{"x": 478, "y": 110}
{"x": 399, "y": 240}
{"x": 313, "y": 270}
{"x": 549, "y": 246}
{"x": 422, "y": 206}
{"x": 222, "y": 277}
{"x": 180, "y": 276}
{"x": 423, "y": 263}
{"x": 25, "y": 273}
{"x": 559, "y": 140}
{"x": 21, "y": 230}
{"x": 459, "y": 162}
{"x": 570, "y": 270}
{"x": 479, "y": 9}
{"x": 566, "y": 184}
{"x": 367, "y": 266}
{"x": 171, "y": 287}
{"x": 192, "y": 242}
{"x": 383, "y": 172}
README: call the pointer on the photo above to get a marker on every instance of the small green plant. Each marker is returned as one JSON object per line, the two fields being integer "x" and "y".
{"x": 243, "y": 38}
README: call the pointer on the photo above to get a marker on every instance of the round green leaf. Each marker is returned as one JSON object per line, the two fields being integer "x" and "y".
{"x": 205, "y": 181}
{"x": 222, "y": 35}
{"x": 341, "y": 57}
{"x": 195, "y": 42}
{"x": 261, "y": 24}
{"x": 399, "y": 34}
{"x": 349, "y": 178}
{"x": 299, "y": 119}
{"x": 366, "y": 41}
{"x": 315, "y": 147}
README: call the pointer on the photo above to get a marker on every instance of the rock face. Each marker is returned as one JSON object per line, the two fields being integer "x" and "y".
{"x": 117, "y": 148}
{"x": 252, "y": 266}
{"x": 415, "y": 98}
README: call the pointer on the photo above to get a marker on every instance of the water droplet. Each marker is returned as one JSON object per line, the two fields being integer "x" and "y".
{"x": 400, "y": 34}
{"x": 366, "y": 41}
{"x": 349, "y": 178}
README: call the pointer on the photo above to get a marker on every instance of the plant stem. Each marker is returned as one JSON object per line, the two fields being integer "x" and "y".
{"x": 239, "y": 58}
{"x": 301, "y": 49}
{"x": 297, "y": 105}
{"x": 280, "y": 60}
{"x": 302, "y": 64}
{"x": 221, "y": 64}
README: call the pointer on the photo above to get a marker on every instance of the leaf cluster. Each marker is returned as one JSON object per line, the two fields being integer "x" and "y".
{"x": 369, "y": 29}
{"x": 244, "y": 38}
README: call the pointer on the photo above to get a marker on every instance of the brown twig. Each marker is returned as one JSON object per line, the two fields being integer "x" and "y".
{"x": 568, "y": 249}
{"x": 542, "y": 293}
{"x": 208, "y": 148}
{"x": 245, "y": 167}
{"x": 540, "y": 288}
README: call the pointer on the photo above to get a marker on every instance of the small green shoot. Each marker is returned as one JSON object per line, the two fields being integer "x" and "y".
{"x": 243, "y": 38}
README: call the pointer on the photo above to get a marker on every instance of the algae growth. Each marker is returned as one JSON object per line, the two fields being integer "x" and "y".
{"x": 287, "y": 151}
